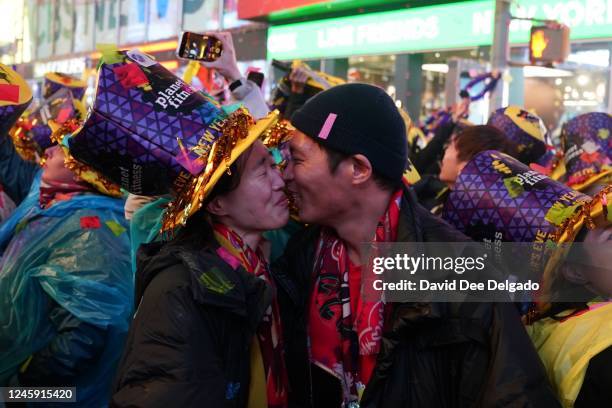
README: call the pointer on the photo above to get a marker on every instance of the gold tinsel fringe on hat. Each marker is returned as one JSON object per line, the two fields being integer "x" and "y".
{"x": 588, "y": 214}
{"x": 277, "y": 134}
{"x": 24, "y": 146}
{"x": 192, "y": 191}
{"x": 583, "y": 215}
{"x": 273, "y": 138}
{"x": 84, "y": 172}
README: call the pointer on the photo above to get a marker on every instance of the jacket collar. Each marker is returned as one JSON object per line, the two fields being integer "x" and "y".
{"x": 409, "y": 228}
{"x": 213, "y": 282}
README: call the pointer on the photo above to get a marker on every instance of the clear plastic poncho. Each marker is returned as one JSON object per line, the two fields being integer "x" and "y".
{"x": 77, "y": 254}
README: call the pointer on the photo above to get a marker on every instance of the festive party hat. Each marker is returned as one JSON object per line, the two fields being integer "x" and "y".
{"x": 587, "y": 143}
{"x": 498, "y": 199}
{"x": 496, "y": 196}
{"x": 15, "y": 96}
{"x": 523, "y": 128}
{"x": 54, "y": 81}
{"x": 153, "y": 134}
{"x": 32, "y": 133}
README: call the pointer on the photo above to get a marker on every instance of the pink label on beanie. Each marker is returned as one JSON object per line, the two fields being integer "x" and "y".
{"x": 327, "y": 126}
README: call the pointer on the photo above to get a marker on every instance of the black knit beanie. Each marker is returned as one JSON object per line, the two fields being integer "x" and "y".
{"x": 358, "y": 119}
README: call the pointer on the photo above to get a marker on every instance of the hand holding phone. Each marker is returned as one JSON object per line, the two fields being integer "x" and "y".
{"x": 226, "y": 64}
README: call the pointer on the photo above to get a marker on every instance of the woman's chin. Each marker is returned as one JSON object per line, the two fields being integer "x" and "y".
{"x": 279, "y": 220}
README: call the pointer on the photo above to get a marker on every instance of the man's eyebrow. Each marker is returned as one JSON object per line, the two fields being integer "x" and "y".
{"x": 294, "y": 149}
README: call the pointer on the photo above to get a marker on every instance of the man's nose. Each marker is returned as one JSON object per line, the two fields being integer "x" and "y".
{"x": 288, "y": 172}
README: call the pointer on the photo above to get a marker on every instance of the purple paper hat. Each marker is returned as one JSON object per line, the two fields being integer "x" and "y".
{"x": 143, "y": 124}
{"x": 15, "y": 96}
{"x": 54, "y": 81}
{"x": 32, "y": 133}
{"x": 587, "y": 143}
{"x": 523, "y": 128}
{"x": 550, "y": 164}
{"x": 152, "y": 134}
{"x": 498, "y": 198}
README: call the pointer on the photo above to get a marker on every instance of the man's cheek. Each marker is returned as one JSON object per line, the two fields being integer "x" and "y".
{"x": 298, "y": 177}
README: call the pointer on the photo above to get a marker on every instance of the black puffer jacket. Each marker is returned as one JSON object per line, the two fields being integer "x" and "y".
{"x": 434, "y": 355}
{"x": 189, "y": 343}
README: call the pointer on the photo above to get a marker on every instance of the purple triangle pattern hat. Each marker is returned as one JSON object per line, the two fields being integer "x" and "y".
{"x": 146, "y": 126}
{"x": 152, "y": 134}
{"x": 36, "y": 128}
{"x": 523, "y": 128}
{"x": 496, "y": 197}
{"x": 54, "y": 81}
{"x": 587, "y": 144}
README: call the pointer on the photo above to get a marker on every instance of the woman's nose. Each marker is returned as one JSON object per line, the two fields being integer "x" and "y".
{"x": 278, "y": 182}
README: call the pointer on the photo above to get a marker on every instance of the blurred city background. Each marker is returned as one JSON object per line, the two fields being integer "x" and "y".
{"x": 421, "y": 52}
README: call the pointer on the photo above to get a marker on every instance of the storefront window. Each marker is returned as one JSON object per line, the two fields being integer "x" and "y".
{"x": 375, "y": 69}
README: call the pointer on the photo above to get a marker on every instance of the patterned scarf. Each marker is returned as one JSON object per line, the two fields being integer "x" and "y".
{"x": 341, "y": 342}
{"x": 52, "y": 192}
{"x": 269, "y": 331}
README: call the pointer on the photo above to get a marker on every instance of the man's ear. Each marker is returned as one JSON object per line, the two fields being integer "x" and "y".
{"x": 361, "y": 169}
{"x": 216, "y": 207}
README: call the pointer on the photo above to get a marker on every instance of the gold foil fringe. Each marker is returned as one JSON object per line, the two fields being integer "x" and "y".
{"x": 190, "y": 197}
{"x": 567, "y": 231}
{"x": 83, "y": 171}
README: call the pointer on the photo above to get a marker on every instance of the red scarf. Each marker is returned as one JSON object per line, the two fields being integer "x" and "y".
{"x": 52, "y": 192}
{"x": 343, "y": 344}
{"x": 269, "y": 331}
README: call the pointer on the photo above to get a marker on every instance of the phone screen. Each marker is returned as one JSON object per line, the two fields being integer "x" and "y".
{"x": 199, "y": 47}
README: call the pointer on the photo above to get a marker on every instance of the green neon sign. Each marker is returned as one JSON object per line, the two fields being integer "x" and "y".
{"x": 457, "y": 25}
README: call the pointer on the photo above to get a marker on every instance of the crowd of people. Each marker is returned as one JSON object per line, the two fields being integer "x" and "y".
{"x": 167, "y": 249}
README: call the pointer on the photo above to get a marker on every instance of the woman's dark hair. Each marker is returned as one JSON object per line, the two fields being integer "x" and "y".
{"x": 197, "y": 232}
{"x": 476, "y": 139}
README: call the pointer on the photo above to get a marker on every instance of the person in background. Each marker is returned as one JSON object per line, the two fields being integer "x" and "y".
{"x": 23, "y": 147}
{"x": 298, "y": 85}
{"x": 241, "y": 89}
{"x": 298, "y": 78}
{"x": 16, "y": 175}
{"x": 525, "y": 129}
{"x": 568, "y": 319}
{"x": 587, "y": 144}
{"x": 467, "y": 144}
{"x": 427, "y": 160}
{"x": 66, "y": 286}
{"x": 433, "y": 191}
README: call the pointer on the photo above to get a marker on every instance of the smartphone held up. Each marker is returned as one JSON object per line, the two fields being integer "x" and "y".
{"x": 199, "y": 47}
